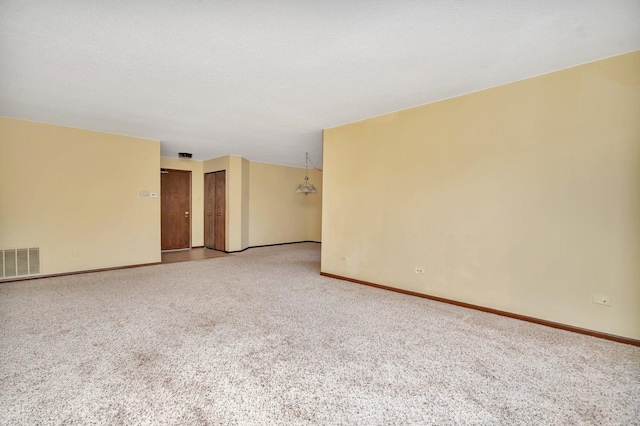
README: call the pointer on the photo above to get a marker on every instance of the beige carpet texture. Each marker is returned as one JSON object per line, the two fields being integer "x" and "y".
{"x": 260, "y": 338}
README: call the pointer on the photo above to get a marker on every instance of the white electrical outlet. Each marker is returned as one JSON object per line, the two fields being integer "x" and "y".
{"x": 419, "y": 270}
{"x": 600, "y": 299}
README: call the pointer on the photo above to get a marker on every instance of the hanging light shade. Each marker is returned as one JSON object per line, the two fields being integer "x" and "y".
{"x": 306, "y": 188}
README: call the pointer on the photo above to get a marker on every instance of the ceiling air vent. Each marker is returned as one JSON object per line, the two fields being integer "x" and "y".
{"x": 18, "y": 262}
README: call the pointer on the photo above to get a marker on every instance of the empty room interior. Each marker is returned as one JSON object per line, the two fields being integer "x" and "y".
{"x": 368, "y": 212}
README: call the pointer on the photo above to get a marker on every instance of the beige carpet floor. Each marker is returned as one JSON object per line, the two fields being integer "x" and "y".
{"x": 261, "y": 338}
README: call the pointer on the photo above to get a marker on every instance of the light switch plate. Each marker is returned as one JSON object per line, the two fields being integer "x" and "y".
{"x": 154, "y": 195}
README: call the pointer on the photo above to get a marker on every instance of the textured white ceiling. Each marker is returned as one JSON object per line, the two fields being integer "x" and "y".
{"x": 262, "y": 78}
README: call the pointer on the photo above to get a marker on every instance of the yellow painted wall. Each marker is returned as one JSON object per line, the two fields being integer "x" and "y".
{"x": 76, "y": 195}
{"x": 79, "y": 197}
{"x": 246, "y": 202}
{"x": 277, "y": 214}
{"x": 197, "y": 194}
{"x": 523, "y": 198}
{"x": 234, "y": 220}
{"x": 314, "y": 229}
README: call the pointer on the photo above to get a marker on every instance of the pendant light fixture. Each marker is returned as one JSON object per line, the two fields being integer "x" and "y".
{"x": 306, "y": 188}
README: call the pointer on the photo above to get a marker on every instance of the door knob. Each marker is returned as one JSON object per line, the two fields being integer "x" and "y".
{"x": 219, "y": 214}
{"x": 186, "y": 214}
{"x": 209, "y": 214}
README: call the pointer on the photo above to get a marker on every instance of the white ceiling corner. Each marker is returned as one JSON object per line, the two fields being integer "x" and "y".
{"x": 262, "y": 79}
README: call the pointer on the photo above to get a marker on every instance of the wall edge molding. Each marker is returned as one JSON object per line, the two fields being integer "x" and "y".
{"x": 272, "y": 245}
{"x": 86, "y": 271}
{"x": 140, "y": 265}
{"x": 552, "y": 324}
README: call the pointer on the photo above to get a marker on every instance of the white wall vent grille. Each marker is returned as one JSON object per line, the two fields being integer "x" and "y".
{"x": 19, "y": 262}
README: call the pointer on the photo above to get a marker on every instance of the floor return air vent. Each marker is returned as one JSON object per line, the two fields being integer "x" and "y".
{"x": 18, "y": 262}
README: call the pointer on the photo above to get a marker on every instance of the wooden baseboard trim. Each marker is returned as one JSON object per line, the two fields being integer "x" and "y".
{"x": 272, "y": 245}
{"x": 236, "y": 251}
{"x": 613, "y": 337}
{"x": 87, "y": 271}
{"x": 115, "y": 268}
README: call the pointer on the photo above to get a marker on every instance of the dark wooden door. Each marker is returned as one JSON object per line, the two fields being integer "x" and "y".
{"x": 175, "y": 209}
{"x": 214, "y": 210}
{"x": 220, "y": 220}
{"x": 209, "y": 209}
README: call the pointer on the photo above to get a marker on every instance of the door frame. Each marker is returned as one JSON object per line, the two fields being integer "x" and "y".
{"x": 190, "y": 207}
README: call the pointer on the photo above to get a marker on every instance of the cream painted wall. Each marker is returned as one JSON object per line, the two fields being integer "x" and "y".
{"x": 277, "y": 214}
{"x": 197, "y": 194}
{"x": 66, "y": 159}
{"x": 246, "y": 202}
{"x": 314, "y": 230}
{"x": 76, "y": 195}
{"x": 234, "y": 220}
{"x": 523, "y": 198}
